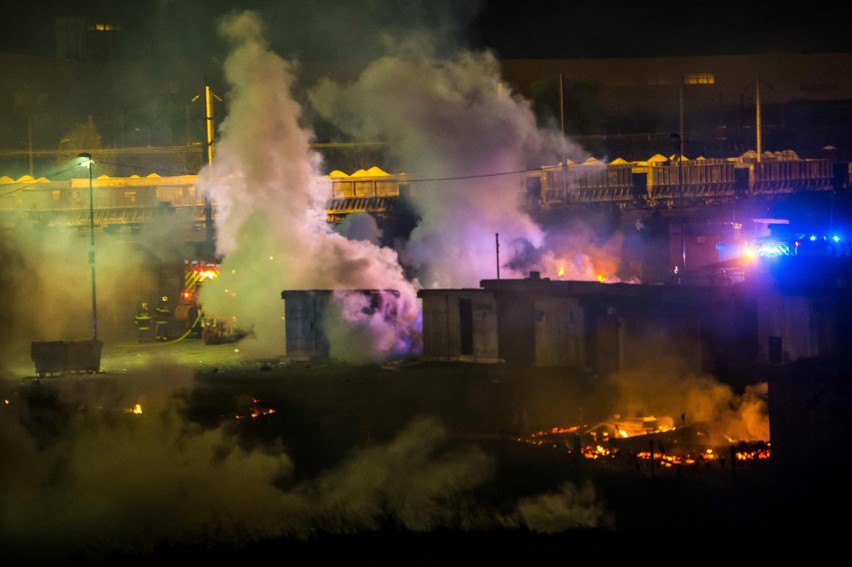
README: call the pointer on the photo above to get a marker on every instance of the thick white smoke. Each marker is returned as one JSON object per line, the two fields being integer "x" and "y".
{"x": 270, "y": 220}
{"x": 464, "y": 138}
{"x": 663, "y": 385}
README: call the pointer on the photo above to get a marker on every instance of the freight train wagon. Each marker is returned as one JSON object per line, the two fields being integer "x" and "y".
{"x": 659, "y": 182}
{"x": 663, "y": 181}
{"x": 129, "y": 201}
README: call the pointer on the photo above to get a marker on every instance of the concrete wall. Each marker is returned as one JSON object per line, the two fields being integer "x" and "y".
{"x": 804, "y": 307}
{"x": 303, "y": 314}
{"x": 459, "y": 325}
{"x": 536, "y": 323}
{"x": 559, "y": 332}
{"x": 333, "y": 324}
{"x": 791, "y": 327}
{"x": 603, "y": 328}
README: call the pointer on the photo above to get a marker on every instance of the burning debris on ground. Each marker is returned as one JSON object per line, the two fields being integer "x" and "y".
{"x": 255, "y": 410}
{"x": 367, "y": 441}
{"x": 646, "y": 443}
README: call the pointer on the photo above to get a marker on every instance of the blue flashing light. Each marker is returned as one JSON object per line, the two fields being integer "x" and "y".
{"x": 773, "y": 249}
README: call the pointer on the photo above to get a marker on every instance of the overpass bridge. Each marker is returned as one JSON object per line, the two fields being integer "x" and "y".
{"x": 129, "y": 203}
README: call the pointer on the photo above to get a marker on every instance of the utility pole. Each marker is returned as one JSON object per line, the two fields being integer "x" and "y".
{"x": 208, "y": 161}
{"x": 679, "y": 150}
{"x": 562, "y": 103}
{"x": 30, "y": 142}
{"x": 682, "y": 204}
{"x": 563, "y": 164}
{"x": 757, "y": 119}
{"x": 758, "y": 126}
{"x": 497, "y": 243}
{"x": 208, "y": 120}
{"x": 679, "y": 155}
{"x": 89, "y": 163}
{"x": 680, "y": 130}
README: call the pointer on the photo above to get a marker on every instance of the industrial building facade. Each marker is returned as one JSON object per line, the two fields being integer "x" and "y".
{"x": 586, "y": 325}
{"x": 787, "y": 309}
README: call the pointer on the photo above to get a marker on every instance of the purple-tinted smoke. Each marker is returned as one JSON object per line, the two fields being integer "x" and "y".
{"x": 464, "y": 138}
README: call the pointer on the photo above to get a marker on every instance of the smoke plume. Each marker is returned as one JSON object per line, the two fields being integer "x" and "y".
{"x": 123, "y": 471}
{"x": 663, "y": 385}
{"x": 452, "y": 124}
{"x": 464, "y": 138}
{"x": 271, "y": 225}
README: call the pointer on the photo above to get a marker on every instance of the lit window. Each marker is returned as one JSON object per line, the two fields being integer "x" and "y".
{"x": 699, "y": 79}
{"x": 102, "y": 27}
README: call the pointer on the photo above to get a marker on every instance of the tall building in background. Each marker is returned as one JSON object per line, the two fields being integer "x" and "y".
{"x": 86, "y": 38}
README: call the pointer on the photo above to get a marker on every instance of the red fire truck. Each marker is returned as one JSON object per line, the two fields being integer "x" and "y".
{"x": 188, "y": 312}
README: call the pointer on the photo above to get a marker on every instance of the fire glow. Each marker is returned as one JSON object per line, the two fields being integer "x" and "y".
{"x": 648, "y": 439}
{"x": 255, "y": 410}
{"x": 136, "y": 409}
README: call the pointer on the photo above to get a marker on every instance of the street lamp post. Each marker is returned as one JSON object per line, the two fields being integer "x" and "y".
{"x": 87, "y": 161}
{"x": 678, "y": 140}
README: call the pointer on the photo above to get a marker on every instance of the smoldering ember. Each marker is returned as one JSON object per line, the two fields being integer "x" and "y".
{"x": 466, "y": 381}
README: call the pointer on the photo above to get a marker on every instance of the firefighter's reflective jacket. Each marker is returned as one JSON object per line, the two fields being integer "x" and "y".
{"x": 163, "y": 318}
{"x": 143, "y": 322}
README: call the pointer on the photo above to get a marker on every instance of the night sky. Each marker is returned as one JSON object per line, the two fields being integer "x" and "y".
{"x": 532, "y": 29}
{"x": 635, "y": 29}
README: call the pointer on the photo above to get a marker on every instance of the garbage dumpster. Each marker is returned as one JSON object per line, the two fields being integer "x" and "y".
{"x": 50, "y": 357}
{"x": 60, "y": 357}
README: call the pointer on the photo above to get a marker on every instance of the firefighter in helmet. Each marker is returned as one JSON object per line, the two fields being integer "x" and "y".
{"x": 143, "y": 322}
{"x": 163, "y": 318}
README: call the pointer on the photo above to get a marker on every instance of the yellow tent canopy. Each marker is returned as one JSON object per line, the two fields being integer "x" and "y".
{"x": 376, "y": 172}
{"x": 372, "y": 172}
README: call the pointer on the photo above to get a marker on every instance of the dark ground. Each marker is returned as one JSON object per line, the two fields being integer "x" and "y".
{"x": 323, "y": 411}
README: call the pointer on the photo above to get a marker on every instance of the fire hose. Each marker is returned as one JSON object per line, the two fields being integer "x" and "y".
{"x": 188, "y": 329}
{"x": 198, "y": 319}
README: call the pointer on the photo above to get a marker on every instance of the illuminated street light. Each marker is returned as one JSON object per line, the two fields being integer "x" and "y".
{"x": 88, "y": 162}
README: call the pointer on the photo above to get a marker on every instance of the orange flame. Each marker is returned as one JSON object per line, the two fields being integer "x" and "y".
{"x": 137, "y": 409}
{"x": 255, "y": 410}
